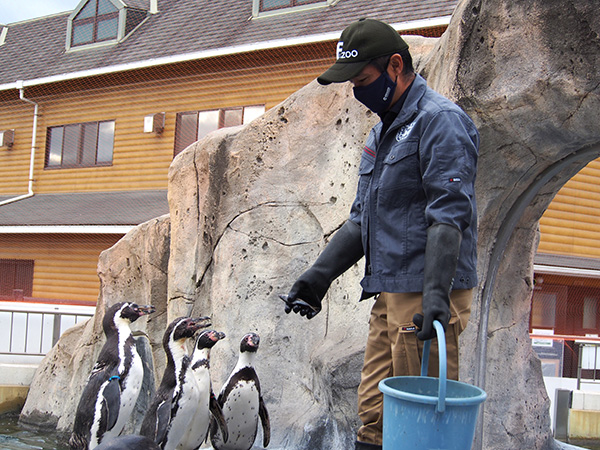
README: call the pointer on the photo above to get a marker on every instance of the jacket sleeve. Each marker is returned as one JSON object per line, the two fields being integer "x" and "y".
{"x": 448, "y": 158}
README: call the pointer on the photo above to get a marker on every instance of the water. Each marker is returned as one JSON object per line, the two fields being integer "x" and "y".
{"x": 587, "y": 444}
{"x": 14, "y": 437}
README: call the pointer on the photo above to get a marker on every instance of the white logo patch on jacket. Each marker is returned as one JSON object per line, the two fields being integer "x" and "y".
{"x": 404, "y": 131}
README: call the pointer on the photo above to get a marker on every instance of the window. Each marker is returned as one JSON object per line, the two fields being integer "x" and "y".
{"x": 590, "y": 313}
{"x": 269, "y": 5}
{"x": 80, "y": 145}
{"x": 97, "y": 21}
{"x": 543, "y": 310}
{"x": 194, "y": 125}
{"x": 16, "y": 278}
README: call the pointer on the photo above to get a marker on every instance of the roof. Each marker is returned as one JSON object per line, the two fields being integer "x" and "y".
{"x": 182, "y": 30}
{"x": 89, "y": 210}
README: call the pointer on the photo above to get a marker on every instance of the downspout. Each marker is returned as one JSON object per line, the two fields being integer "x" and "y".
{"x": 33, "y": 143}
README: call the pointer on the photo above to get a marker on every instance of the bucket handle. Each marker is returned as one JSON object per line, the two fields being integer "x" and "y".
{"x": 441, "y": 337}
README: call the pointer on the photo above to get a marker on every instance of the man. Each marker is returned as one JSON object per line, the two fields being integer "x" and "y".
{"x": 414, "y": 217}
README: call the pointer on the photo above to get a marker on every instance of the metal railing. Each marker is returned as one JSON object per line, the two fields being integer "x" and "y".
{"x": 32, "y": 329}
{"x": 588, "y": 362}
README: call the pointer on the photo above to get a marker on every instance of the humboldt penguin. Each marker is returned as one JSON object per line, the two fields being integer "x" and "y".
{"x": 207, "y": 407}
{"x": 242, "y": 403}
{"x": 114, "y": 384}
{"x": 171, "y": 409}
{"x": 129, "y": 442}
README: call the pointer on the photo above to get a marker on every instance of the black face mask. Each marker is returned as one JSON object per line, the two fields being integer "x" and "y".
{"x": 378, "y": 95}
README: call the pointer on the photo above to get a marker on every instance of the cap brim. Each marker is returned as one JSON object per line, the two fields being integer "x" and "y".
{"x": 341, "y": 72}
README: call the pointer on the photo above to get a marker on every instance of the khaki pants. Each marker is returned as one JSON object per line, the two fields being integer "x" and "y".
{"x": 394, "y": 350}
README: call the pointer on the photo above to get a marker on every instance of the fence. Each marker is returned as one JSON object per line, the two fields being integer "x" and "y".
{"x": 32, "y": 329}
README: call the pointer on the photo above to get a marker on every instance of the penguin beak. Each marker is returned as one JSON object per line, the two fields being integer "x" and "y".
{"x": 218, "y": 335}
{"x": 146, "y": 309}
{"x": 198, "y": 323}
{"x": 254, "y": 340}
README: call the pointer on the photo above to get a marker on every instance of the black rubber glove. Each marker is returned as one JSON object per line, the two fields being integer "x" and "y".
{"x": 441, "y": 258}
{"x": 343, "y": 250}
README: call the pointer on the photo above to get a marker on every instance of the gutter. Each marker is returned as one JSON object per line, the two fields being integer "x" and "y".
{"x": 224, "y": 51}
{"x": 66, "y": 229}
{"x": 570, "y": 271}
{"x": 19, "y": 86}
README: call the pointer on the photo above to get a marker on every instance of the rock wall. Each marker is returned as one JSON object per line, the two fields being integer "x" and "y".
{"x": 252, "y": 207}
{"x": 250, "y": 210}
{"x": 525, "y": 72}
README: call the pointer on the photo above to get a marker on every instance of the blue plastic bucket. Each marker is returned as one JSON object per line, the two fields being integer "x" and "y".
{"x": 429, "y": 413}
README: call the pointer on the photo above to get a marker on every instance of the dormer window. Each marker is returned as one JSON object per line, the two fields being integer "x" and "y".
{"x": 96, "y": 22}
{"x": 270, "y": 7}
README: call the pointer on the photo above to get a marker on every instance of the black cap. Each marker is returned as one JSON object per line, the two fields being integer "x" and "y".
{"x": 360, "y": 43}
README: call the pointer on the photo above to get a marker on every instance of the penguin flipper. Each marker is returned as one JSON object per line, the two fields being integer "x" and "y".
{"x": 112, "y": 401}
{"x": 219, "y": 419}
{"x": 163, "y": 419}
{"x": 264, "y": 419}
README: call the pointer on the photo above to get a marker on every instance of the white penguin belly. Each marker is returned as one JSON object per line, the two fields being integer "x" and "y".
{"x": 198, "y": 426}
{"x": 188, "y": 402}
{"x": 241, "y": 414}
{"x": 129, "y": 395}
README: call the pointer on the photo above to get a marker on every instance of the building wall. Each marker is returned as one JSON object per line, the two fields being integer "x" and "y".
{"x": 571, "y": 224}
{"x": 65, "y": 265}
{"x": 141, "y": 160}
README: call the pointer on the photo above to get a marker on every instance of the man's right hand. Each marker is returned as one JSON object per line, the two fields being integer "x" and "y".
{"x": 343, "y": 250}
{"x": 299, "y": 307}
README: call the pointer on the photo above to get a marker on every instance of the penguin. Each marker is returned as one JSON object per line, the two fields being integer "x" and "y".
{"x": 129, "y": 442}
{"x": 171, "y": 409}
{"x": 114, "y": 384}
{"x": 242, "y": 403}
{"x": 197, "y": 431}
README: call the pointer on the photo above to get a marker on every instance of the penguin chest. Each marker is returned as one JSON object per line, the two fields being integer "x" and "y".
{"x": 183, "y": 412}
{"x": 198, "y": 426}
{"x": 240, "y": 410}
{"x": 132, "y": 384}
{"x": 204, "y": 387}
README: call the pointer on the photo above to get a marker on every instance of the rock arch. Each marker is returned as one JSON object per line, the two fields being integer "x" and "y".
{"x": 525, "y": 73}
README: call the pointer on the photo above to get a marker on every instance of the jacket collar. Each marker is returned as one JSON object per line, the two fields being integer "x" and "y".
{"x": 410, "y": 107}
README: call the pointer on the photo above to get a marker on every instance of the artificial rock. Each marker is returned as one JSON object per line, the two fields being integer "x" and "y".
{"x": 252, "y": 207}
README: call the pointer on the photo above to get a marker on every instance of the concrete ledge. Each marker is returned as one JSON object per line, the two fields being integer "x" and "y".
{"x": 563, "y": 446}
{"x": 586, "y": 401}
{"x": 12, "y": 398}
{"x": 13, "y": 374}
{"x": 584, "y": 424}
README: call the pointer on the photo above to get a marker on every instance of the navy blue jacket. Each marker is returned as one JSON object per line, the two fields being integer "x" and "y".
{"x": 419, "y": 173}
